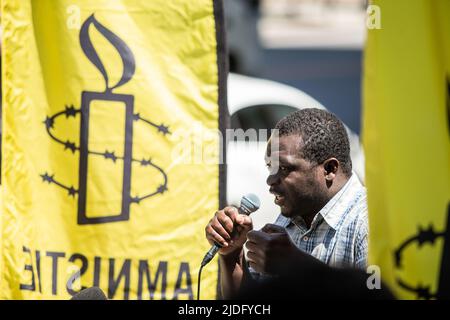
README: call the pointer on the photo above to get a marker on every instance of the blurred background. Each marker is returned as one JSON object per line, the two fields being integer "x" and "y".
{"x": 313, "y": 45}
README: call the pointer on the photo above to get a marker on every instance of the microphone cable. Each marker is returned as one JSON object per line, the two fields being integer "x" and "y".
{"x": 208, "y": 257}
{"x": 198, "y": 281}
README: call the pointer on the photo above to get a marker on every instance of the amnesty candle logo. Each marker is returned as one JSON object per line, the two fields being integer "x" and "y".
{"x": 119, "y": 152}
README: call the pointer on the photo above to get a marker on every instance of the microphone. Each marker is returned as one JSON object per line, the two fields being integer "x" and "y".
{"x": 249, "y": 203}
{"x": 93, "y": 293}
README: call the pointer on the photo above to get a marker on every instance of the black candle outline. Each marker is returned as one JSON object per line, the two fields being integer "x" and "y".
{"x": 107, "y": 95}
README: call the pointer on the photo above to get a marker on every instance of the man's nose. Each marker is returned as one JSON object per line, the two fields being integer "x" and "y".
{"x": 272, "y": 179}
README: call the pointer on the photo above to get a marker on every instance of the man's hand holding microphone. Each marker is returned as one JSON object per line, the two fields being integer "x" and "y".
{"x": 227, "y": 233}
{"x": 229, "y": 229}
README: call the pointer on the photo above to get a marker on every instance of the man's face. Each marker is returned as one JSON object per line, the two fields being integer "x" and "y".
{"x": 294, "y": 181}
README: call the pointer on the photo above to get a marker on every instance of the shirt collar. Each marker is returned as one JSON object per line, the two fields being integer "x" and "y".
{"x": 331, "y": 212}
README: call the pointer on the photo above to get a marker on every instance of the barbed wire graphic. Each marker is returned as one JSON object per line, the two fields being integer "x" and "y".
{"x": 422, "y": 292}
{"x": 71, "y": 111}
{"x": 422, "y": 237}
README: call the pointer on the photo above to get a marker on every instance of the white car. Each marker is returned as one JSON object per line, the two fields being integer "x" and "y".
{"x": 259, "y": 104}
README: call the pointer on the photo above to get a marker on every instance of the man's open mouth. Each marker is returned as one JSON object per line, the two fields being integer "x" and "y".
{"x": 279, "y": 199}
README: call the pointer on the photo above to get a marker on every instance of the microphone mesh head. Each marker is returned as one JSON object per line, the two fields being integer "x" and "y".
{"x": 250, "y": 203}
{"x": 93, "y": 293}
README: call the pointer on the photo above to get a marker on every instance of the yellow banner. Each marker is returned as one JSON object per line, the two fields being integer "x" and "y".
{"x": 406, "y": 139}
{"x": 99, "y": 184}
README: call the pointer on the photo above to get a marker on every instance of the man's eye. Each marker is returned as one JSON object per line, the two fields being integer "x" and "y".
{"x": 285, "y": 169}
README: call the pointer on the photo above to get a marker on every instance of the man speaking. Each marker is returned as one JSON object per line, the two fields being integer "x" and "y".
{"x": 323, "y": 207}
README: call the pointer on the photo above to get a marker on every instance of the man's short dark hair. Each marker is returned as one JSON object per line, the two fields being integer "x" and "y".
{"x": 323, "y": 135}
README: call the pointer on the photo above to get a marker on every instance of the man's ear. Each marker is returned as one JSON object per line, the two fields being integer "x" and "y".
{"x": 330, "y": 167}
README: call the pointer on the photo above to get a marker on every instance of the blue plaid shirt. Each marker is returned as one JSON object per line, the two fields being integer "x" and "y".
{"x": 339, "y": 231}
